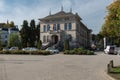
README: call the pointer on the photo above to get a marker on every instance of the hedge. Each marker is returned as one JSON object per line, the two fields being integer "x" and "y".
{"x": 20, "y": 52}
{"x": 79, "y": 51}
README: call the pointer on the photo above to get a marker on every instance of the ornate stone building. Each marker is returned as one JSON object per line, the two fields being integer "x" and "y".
{"x": 56, "y": 28}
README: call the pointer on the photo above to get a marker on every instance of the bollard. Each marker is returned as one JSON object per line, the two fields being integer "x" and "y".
{"x": 108, "y": 68}
{"x": 111, "y": 64}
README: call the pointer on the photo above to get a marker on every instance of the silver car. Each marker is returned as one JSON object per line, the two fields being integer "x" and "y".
{"x": 52, "y": 50}
{"x": 30, "y": 49}
{"x": 13, "y": 48}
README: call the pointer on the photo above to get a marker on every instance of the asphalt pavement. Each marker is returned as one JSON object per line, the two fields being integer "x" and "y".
{"x": 56, "y": 67}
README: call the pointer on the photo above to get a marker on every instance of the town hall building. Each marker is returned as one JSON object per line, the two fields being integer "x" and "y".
{"x": 56, "y": 28}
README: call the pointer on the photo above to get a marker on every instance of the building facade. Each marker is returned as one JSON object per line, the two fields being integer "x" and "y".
{"x": 5, "y": 33}
{"x": 56, "y": 28}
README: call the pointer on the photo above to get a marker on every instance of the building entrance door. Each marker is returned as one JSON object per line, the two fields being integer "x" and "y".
{"x": 54, "y": 39}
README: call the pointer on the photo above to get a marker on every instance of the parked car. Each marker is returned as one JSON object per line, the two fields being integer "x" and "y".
{"x": 118, "y": 52}
{"x": 5, "y": 49}
{"x": 53, "y": 50}
{"x": 30, "y": 49}
{"x": 111, "y": 50}
{"x": 13, "y": 48}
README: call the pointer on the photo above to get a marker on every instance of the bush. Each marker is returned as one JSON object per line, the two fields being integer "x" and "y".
{"x": 66, "y": 52}
{"x": 66, "y": 44}
{"x": 72, "y": 52}
{"x": 41, "y": 52}
{"x": 90, "y": 52}
{"x": 79, "y": 51}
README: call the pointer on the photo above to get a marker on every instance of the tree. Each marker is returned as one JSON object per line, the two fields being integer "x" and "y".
{"x": 1, "y": 44}
{"x": 25, "y": 33}
{"x": 66, "y": 45}
{"x": 32, "y": 33}
{"x": 14, "y": 40}
{"x": 12, "y": 24}
{"x": 38, "y": 32}
{"x": 39, "y": 44}
{"x": 111, "y": 27}
{"x": 97, "y": 39}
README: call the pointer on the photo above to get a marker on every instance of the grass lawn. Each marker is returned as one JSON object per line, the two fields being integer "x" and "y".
{"x": 115, "y": 73}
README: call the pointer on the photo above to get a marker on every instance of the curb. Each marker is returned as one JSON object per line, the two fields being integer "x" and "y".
{"x": 108, "y": 76}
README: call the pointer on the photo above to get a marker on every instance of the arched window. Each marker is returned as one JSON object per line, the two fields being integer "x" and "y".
{"x": 44, "y": 38}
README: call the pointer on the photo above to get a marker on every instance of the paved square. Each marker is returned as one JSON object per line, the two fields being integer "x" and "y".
{"x": 55, "y": 67}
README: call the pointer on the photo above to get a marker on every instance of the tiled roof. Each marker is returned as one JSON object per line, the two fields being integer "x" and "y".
{"x": 60, "y": 14}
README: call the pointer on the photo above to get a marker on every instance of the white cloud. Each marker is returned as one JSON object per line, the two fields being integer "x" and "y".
{"x": 2, "y": 5}
{"x": 91, "y": 11}
{"x": 67, "y": 3}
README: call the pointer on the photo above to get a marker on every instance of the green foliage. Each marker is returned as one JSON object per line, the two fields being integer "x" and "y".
{"x": 32, "y": 37}
{"x": 1, "y": 44}
{"x": 111, "y": 27}
{"x": 115, "y": 70}
{"x": 41, "y": 52}
{"x": 79, "y": 51}
{"x": 11, "y": 24}
{"x": 30, "y": 34}
{"x": 25, "y": 33}
{"x": 66, "y": 45}
{"x": 98, "y": 40}
{"x": 39, "y": 44}
{"x": 38, "y": 32}
{"x": 14, "y": 40}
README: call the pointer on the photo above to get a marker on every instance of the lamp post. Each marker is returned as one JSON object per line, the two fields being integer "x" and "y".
{"x": 104, "y": 39}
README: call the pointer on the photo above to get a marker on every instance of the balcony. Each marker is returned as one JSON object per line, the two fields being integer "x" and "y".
{"x": 55, "y": 32}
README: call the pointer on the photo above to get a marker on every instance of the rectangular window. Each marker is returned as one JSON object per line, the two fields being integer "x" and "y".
{"x": 48, "y": 27}
{"x": 5, "y": 36}
{"x": 65, "y": 26}
{"x": 70, "y": 26}
{"x": 54, "y": 27}
{"x": 44, "y": 28}
{"x": 58, "y": 26}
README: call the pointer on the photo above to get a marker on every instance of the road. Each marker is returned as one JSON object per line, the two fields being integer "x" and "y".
{"x": 55, "y": 67}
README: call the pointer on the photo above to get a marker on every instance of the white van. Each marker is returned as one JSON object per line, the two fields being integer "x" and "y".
{"x": 110, "y": 50}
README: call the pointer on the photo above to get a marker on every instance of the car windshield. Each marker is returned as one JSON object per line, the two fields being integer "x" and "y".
{"x": 112, "y": 48}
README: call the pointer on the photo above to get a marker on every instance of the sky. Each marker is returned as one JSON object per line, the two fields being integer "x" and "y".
{"x": 92, "y": 12}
